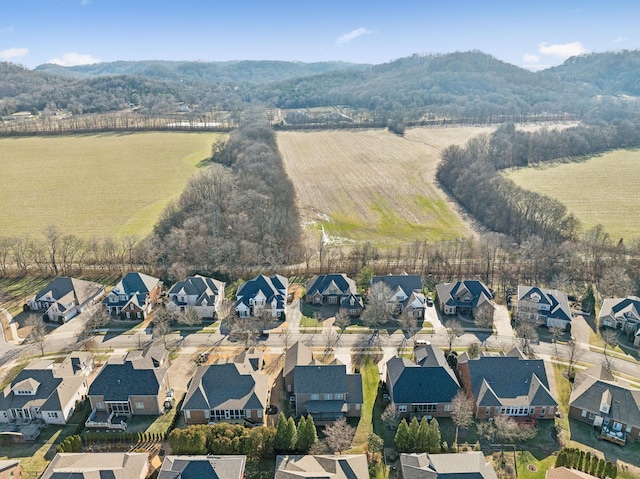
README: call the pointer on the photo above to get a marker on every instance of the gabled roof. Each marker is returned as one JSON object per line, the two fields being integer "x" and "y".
{"x": 347, "y": 466}
{"x": 153, "y": 356}
{"x": 103, "y": 465}
{"x": 319, "y": 284}
{"x": 621, "y": 307}
{"x": 273, "y": 288}
{"x": 351, "y": 301}
{"x": 430, "y": 381}
{"x": 297, "y": 355}
{"x": 592, "y": 385}
{"x": 557, "y": 301}
{"x": 479, "y": 293}
{"x": 119, "y": 380}
{"x": 227, "y": 386}
{"x": 406, "y": 283}
{"x": 63, "y": 287}
{"x": 466, "y": 465}
{"x": 320, "y": 379}
{"x": 136, "y": 283}
{"x": 510, "y": 380}
{"x": 199, "y": 286}
{"x": 202, "y": 467}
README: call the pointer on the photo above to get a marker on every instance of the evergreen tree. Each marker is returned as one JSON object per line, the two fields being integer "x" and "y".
{"x": 422, "y": 444}
{"x": 601, "y": 464}
{"x": 307, "y": 435}
{"x": 281, "y": 440}
{"x": 586, "y": 465}
{"x": 589, "y": 300}
{"x": 434, "y": 436}
{"x": 292, "y": 434}
{"x": 414, "y": 435}
{"x": 593, "y": 468}
{"x": 401, "y": 439}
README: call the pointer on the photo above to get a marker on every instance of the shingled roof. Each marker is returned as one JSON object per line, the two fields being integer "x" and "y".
{"x": 227, "y": 386}
{"x": 119, "y": 380}
{"x": 478, "y": 293}
{"x": 103, "y": 465}
{"x": 274, "y": 287}
{"x": 200, "y": 286}
{"x": 557, "y": 301}
{"x": 348, "y": 466}
{"x": 468, "y": 465}
{"x": 319, "y": 284}
{"x": 429, "y": 381}
{"x": 65, "y": 288}
{"x": 203, "y": 467}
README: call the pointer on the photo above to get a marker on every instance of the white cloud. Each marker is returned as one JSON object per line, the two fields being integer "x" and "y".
{"x": 618, "y": 39}
{"x": 562, "y": 50}
{"x": 535, "y": 67}
{"x": 529, "y": 58}
{"x": 352, "y": 35}
{"x": 72, "y": 59}
{"x": 10, "y": 53}
{"x": 85, "y": 2}
{"x": 6, "y": 30}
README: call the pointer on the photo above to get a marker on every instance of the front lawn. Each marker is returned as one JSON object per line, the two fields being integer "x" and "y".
{"x": 370, "y": 381}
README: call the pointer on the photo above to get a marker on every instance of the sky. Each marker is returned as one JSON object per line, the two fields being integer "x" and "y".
{"x": 533, "y": 35}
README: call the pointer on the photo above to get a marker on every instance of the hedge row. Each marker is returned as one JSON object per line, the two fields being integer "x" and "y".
{"x": 586, "y": 462}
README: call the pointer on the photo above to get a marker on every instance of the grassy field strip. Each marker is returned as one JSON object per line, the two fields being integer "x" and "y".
{"x": 602, "y": 189}
{"x": 95, "y": 185}
{"x": 372, "y": 184}
{"x": 370, "y": 380}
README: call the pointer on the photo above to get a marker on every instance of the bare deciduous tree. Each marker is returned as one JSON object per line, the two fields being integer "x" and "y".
{"x": 461, "y": 411}
{"x": 376, "y": 312}
{"x": 454, "y": 331}
{"x": 573, "y": 354}
{"x": 610, "y": 339}
{"x": 189, "y": 318}
{"x": 341, "y": 321}
{"x": 38, "y": 334}
{"x": 339, "y": 435}
{"x": 526, "y": 331}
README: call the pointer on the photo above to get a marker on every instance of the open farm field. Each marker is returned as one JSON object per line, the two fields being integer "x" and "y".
{"x": 601, "y": 190}
{"x": 95, "y": 185}
{"x": 374, "y": 185}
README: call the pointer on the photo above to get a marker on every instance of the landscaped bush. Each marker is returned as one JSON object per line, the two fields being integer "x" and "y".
{"x": 586, "y": 462}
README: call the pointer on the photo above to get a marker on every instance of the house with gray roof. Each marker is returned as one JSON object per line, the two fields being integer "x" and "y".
{"x": 346, "y": 466}
{"x": 545, "y": 306}
{"x": 227, "y": 392}
{"x": 125, "y": 387}
{"x": 10, "y": 469}
{"x": 98, "y": 465}
{"x": 297, "y": 354}
{"x": 597, "y": 398}
{"x": 330, "y": 288}
{"x": 510, "y": 385}
{"x": 203, "y": 295}
{"x": 406, "y": 294}
{"x": 262, "y": 293}
{"x": 134, "y": 296}
{"x": 467, "y": 465}
{"x": 469, "y": 297}
{"x": 46, "y": 390}
{"x": 65, "y": 297}
{"x": 203, "y": 467}
{"x": 327, "y": 392}
{"x": 621, "y": 313}
{"x": 422, "y": 388}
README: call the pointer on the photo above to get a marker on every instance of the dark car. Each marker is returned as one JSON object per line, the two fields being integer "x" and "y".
{"x": 429, "y": 301}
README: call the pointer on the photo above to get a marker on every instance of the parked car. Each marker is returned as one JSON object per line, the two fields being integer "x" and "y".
{"x": 429, "y": 301}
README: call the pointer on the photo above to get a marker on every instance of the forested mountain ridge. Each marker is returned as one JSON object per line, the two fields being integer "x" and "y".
{"x": 468, "y": 85}
{"x": 245, "y": 71}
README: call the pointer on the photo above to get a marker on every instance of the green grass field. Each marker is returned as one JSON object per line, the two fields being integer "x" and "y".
{"x": 95, "y": 185}
{"x": 602, "y": 190}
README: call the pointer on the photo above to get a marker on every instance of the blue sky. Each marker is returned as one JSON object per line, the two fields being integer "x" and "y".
{"x": 532, "y": 34}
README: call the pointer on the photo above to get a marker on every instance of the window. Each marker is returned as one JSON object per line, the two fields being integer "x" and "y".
{"x": 353, "y": 312}
{"x": 591, "y": 416}
{"x": 139, "y": 405}
{"x": 425, "y": 408}
{"x": 543, "y": 411}
{"x": 315, "y": 397}
{"x": 447, "y": 407}
{"x": 358, "y": 407}
{"x": 328, "y": 397}
{"x": 487, "y": 411}
{"x": 187, "y": 414}
{"x": 402, "y": 408}
{"x": 220, "y": 414}
{"x": 259, "y": 412}
{"x": 584, "y": 413}
{"x": 339, "y": 396}
{"x": 52, "y": 414}
{"x": 128, "y": 315}
{"x": 131, "y": 307}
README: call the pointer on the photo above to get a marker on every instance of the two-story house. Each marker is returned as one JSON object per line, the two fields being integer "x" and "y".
{"x": 406, "y": 294}
{"x": 545, "y": 306}
{"x": 327, "y": 392}
{"x": 468, "y": 297}
{"x": 46, "y": 390}
{"x": 621, "y": 313}
{"x": 134, "y": 385}
{"x": 424, "y": 388}
{"x": 330, "y": 289}
{"x": 203, "y": 295}
{"x": 94, "y": 465}
{"x": 229, "y": 392}
{"x": 65, "y": 297}
{"x": 613, "y": 406}
{"x": 134, "y": 296}
{"x": 262, "y": 294}
{"x": 508, "y": 385}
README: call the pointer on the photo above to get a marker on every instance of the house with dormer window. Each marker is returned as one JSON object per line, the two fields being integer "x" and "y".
{"x": 262, "y": 293}
{"x": 203, "y": 295}
{"x": 622, "y": 314}
{"x": 46, "y": 390}
{"x": 597, "y": 398}
{"x": 545, "y": 306}
{"x": 134, "y": 296}
{"x": 467, "y": 297}
{"x": 330, "y": 289}
{"x": 406, "y": 294}
{"x": 65, "y": 297}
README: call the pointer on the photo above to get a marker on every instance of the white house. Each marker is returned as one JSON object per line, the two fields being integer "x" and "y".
{"x": 203, "y": 295}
